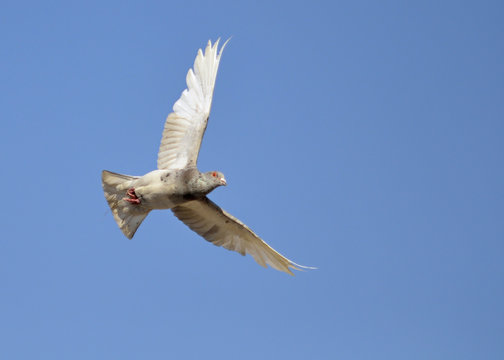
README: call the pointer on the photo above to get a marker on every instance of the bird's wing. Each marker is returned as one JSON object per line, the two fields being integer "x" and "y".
{"x": 222, "y": 229}
{"x": 185, "y": 126}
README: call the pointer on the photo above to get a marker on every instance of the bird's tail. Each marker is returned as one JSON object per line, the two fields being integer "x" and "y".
{"x": 128, "y": 216}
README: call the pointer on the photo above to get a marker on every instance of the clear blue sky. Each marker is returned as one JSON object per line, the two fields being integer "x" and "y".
{"x": 364, "y": 138}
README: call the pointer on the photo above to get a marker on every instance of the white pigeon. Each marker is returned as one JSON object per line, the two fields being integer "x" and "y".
{"x": 178, "y": 184}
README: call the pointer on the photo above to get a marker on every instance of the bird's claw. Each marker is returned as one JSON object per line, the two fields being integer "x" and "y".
{"x": 133, "y": 198}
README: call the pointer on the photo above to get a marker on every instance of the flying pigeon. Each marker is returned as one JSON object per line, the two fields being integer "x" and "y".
{"x": 178, "y": 184}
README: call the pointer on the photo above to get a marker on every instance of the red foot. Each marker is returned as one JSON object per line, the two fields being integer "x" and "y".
{"x": 133, "y": 198}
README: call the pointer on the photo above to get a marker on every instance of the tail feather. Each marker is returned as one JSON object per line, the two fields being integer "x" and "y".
{"x": 128, "y": 216}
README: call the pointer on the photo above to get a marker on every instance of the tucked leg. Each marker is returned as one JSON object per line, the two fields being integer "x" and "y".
{"x": 133, "y": 198}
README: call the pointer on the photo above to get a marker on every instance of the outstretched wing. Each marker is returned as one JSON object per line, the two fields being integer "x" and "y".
{"x": 222, "y": 229}
{"x": 185, "y": 126}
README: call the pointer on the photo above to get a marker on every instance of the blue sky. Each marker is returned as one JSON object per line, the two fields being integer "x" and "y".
{"x": 364, "y": 138}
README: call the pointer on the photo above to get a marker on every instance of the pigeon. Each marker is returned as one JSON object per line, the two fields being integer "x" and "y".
{"x": 178, "y": 185}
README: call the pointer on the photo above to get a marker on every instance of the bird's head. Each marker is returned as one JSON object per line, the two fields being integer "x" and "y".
{"x": 215, "y": 178}
{"x": 204, "y": 183}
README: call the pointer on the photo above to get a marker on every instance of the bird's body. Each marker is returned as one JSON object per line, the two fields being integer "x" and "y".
{"x": 159, "y": 190}
{"x": 165, "y": 189}
{"x": 178, "y": 185}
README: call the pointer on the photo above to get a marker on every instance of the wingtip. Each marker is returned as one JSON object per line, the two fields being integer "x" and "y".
{"x": 215, "y": 46}
{"x": 224, "y": 45}
{"x": 298, "y": 267}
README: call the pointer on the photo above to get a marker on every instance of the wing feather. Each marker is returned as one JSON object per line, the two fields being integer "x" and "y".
{"x": 222, "y": 229}
{"x": 185, "y": 126}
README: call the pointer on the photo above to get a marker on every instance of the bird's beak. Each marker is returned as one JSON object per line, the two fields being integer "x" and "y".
{"x": 223, "y": 181}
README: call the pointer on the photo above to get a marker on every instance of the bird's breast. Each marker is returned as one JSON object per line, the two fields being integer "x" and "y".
{"x": 158, "y": 195}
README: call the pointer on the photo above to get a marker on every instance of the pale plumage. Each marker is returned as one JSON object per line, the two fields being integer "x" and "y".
{"x": 178, "y": 185}
{"x": 222, "y": 229}
{"x": 185, "y": 126}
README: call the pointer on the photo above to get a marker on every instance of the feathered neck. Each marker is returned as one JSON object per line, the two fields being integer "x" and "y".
{"x": 199, "y": 183}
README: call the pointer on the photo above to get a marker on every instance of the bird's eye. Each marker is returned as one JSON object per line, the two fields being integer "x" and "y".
{"x": 214, "y": 174}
